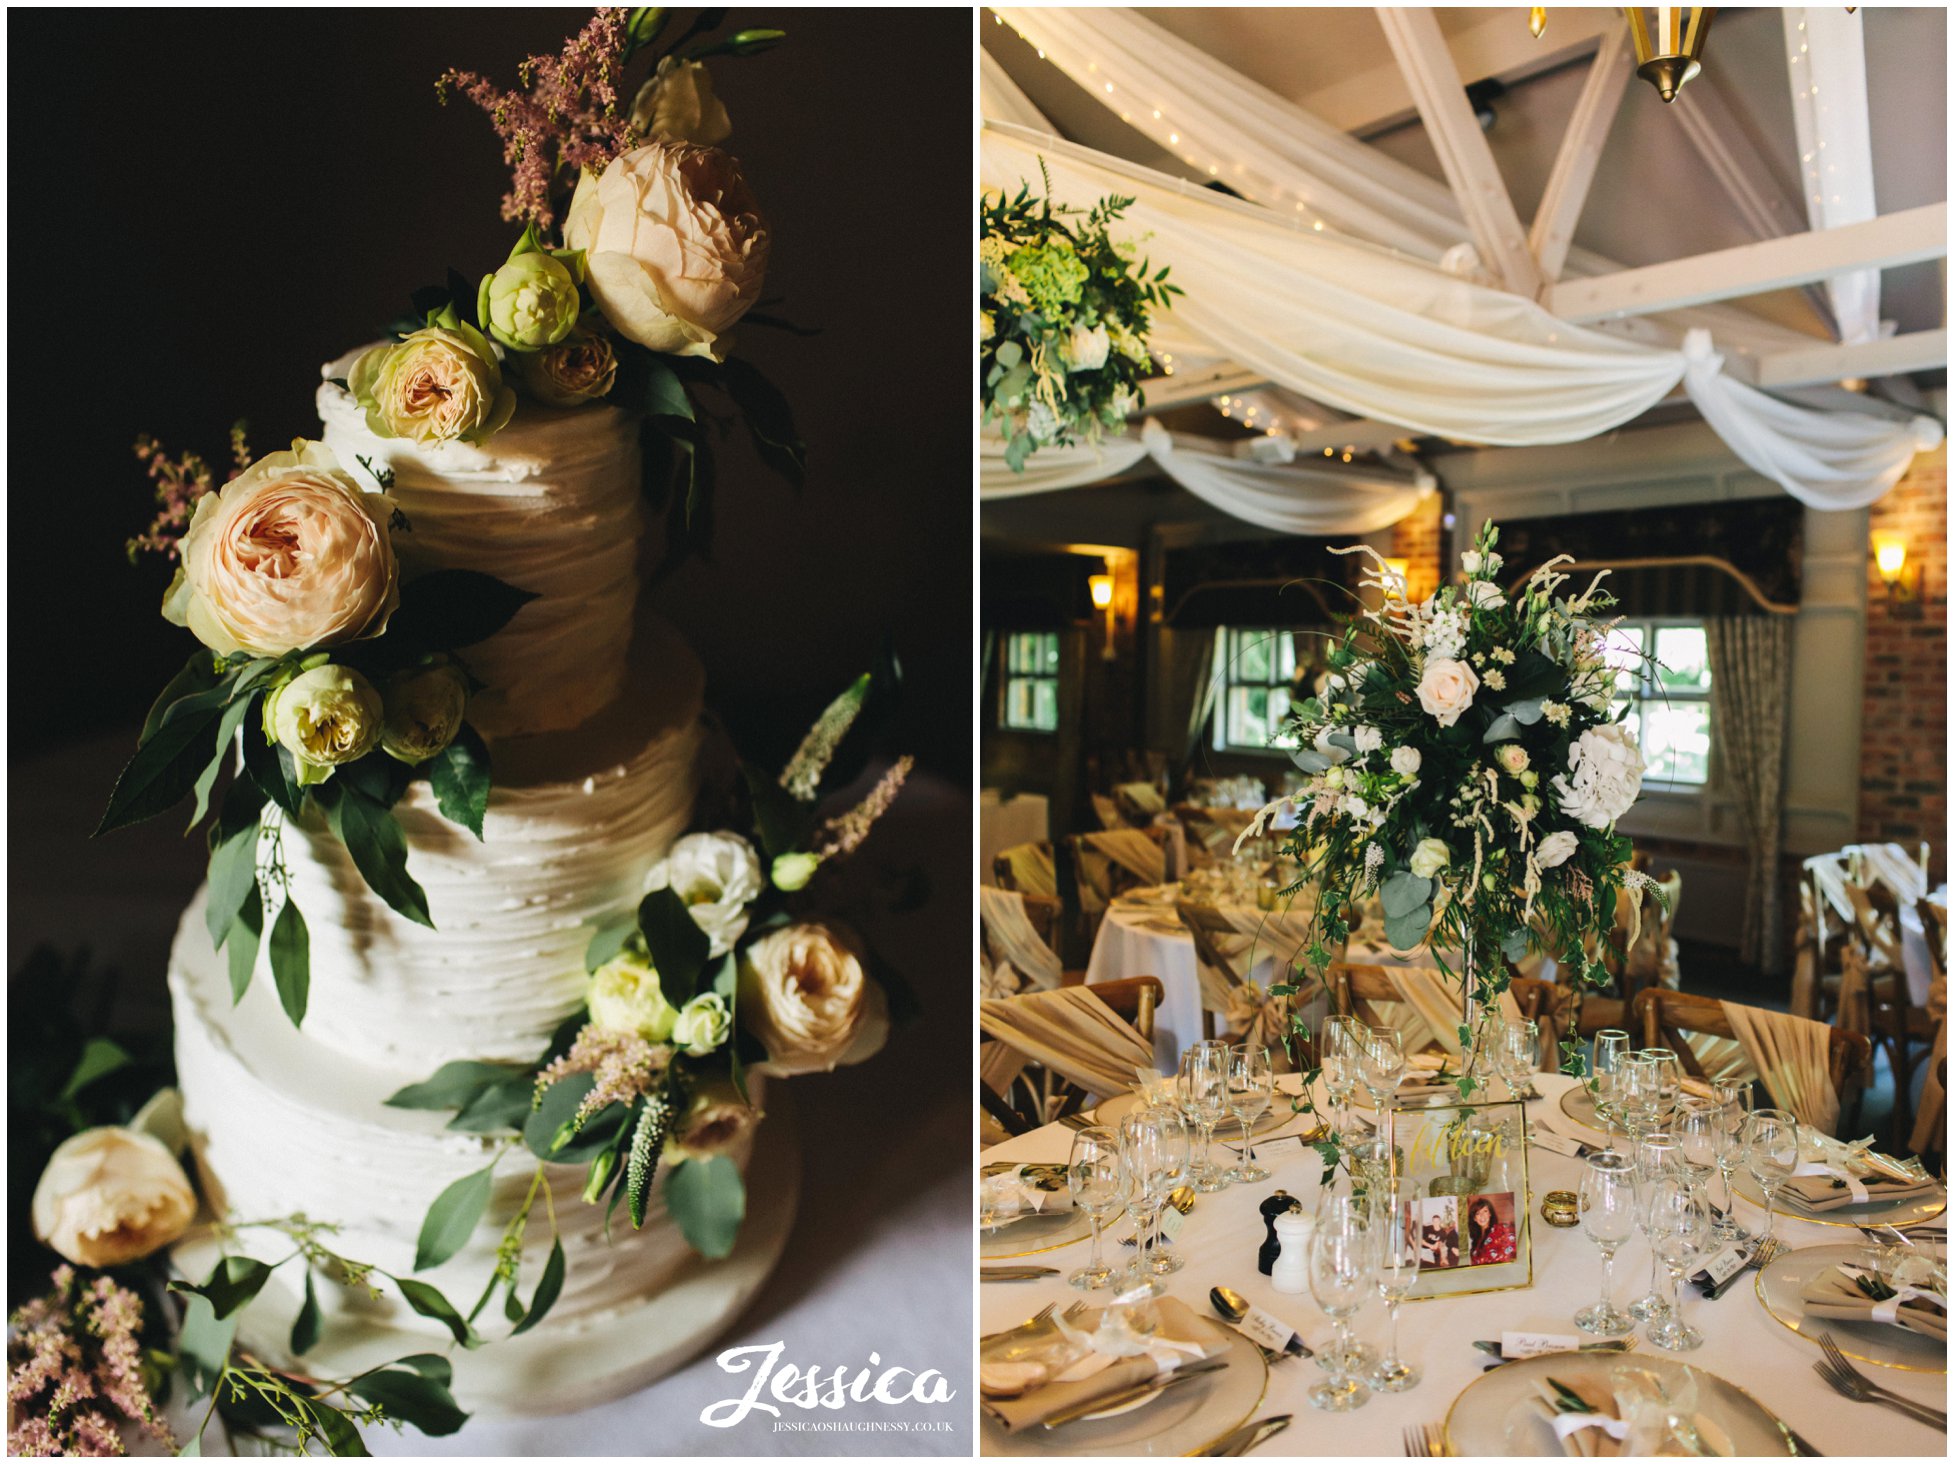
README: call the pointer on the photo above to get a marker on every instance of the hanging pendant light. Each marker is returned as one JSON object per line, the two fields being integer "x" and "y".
{"x": 1537, "y": 20}
{"x": 1668, "y": 43}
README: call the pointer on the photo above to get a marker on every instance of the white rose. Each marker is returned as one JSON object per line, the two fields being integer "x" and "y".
{"x": 1405, "y": 761}
{"x": 1445, "y": 690}
{"x": 805, "y": 995}
{"x": 1483, "y": 595}
{"x": 1603, "y": 778}
{"x": 110, "y": 1196}
{"x": 1470, "y": 561}
{"x": 1512, "y": 757}
{"x": 718, "y": 876}
{"x": 1368, "y": 739}
{"x": 1429, "y": 858}
{"x": 1085, "y": 350}
{"x": 703, "y": 1025}
{"x": 674, "y": 244}
{"x": 625, "y": 995}
{"x": 1557, "y": 848}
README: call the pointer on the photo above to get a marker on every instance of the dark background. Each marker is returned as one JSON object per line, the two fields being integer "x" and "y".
{"x": 226, "y": 199}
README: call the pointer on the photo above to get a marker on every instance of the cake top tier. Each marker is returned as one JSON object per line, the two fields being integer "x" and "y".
{"x": 550, "y": 505}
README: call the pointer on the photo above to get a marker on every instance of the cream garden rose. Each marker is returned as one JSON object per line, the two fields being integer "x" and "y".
{"x": 715, "y": 1122}
{"x": 624, "y": 996}
{"x": 1556, "y": 849}
{"x": 1430, "y": 857}
{"x": 674, "y": 245}
{"x": 677, "y": 104}
{"x": 718, "y": 876}
{"x": 1446, "y": 689}
{"x": 287, "y": 556}
{"x": 805, "y": 995}
{"x": 440, "y": 384}
{"x": 581, "y": 368}
{"x": 110, "y": 1196}
{"x": 1512, "y": 757}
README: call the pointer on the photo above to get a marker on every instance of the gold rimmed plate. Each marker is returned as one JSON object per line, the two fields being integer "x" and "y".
{"x": 1033, "y": 1234}
{"x": 1910, "y": 1210}
{"x": 1491, "y": 1417}
{"x": 1781, "y": 1286}
{"x": 1577, "y": 1103}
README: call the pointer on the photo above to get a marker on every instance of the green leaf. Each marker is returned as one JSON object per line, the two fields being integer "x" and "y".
{"x": 373, "y": 838}
{"x": 341, "y": 1438}
{"x": 1310, "y": 760}
{"x": 454, "y": 1085}
{"x": 199, "y": 674}
{"x": 1406, "y": 932}
{"x": 227, "y": 726}
{"x": 233, "y": 876}
{"x": 429, "y": 1302}
{"x": 665, "y": 393}
{"x": 495, "y": 1109}
{"x": 1404, "y": 892}
{"x": 557, "y": 1110}
{"x": 609, "y": 939}
{"x": 707, "y": 1198}
{"x": 459, "y": 775}
{"x": 548, "y": 1288}
{"x": 164, "y": 768}
{"x": 412, "y": 1398}
{"x": 99, "y": 1058}
{"x": 204, "y": 1342}
{"x": 291, "y": 960}
{"x": 241, "y": 943}
{"x": 678, "y": 947}
{"x": 769, "y": 419}
{"x": 270, "y": 766}
{"x": 1505, "y": 728}
{"x": 1008, "y": 354}
{"x": 784, "y": 822}
{"x": 452, "y": 1218}
{"x": 306, "y": 1326}
{"x": 447, "y": 609}
{"x": 234, "y": 1281}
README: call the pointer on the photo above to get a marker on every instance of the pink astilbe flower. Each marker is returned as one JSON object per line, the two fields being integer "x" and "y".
{"x": 843, "y": 835}
{"x": 75, "y": 1374}
{"x": 180, "y": 482}
{"x": 627, "y": 1067}
{"x": 566, "y": 116}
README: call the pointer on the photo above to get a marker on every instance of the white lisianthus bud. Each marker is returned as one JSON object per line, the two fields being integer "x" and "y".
{"x": 703, "y": 1024}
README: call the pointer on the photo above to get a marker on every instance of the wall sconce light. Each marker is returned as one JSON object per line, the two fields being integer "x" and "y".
{"x": 1903, "y": 589}
{"x": 1101, "y": 586}
{"x": 1402, "y": 569}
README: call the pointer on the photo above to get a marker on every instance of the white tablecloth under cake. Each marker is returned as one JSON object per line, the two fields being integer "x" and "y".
{"x": 1744, "y": 1345}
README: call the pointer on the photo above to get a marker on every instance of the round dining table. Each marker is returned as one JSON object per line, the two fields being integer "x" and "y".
{"x": 1744, "y": 1345}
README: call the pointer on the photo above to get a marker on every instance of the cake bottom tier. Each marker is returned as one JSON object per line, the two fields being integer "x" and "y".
{"x": 281, "y": 1126}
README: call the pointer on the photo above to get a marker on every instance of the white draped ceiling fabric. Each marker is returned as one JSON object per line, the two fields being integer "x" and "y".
{"x": 1380, "y": 332}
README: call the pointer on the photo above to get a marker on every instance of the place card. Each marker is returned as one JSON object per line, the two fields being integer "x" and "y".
{"x": 1171, "y": 1221}
{"x": 1720, "y": 1267}
{"x": 1555, "y": 1143}
{"x": 1265, "y": 1330}
{"x": 1515, "y": 1345}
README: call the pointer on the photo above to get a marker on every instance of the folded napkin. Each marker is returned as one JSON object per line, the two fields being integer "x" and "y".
{"x": 1829, "y": 1184}
{"x": 1850, "y": 1294}
{"x": 1106, "y": 1357}
{"x": 1583, "y": 1416}
{"x": 1633, "y": 1413}
{"x": 1027, "y": 1189}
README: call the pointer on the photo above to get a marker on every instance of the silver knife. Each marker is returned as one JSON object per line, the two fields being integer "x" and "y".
{"x": 1247, "y": 1438}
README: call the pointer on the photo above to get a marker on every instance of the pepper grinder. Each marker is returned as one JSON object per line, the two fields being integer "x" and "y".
{"x": 1279, "y": 1203}
{"x": 1291, "y": 1273}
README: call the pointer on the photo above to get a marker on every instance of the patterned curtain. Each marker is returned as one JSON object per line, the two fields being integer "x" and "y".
{"x": 1750, "y": 667}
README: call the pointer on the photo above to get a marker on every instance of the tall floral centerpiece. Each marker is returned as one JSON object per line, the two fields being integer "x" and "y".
{"x": 1466, "y": 767}
{"x": 1063, "y": 314}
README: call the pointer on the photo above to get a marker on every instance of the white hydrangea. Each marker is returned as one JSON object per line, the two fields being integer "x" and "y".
{"x": 1603, "y": 777}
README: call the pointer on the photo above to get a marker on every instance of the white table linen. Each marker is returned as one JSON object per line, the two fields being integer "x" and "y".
{"x": 1744, "y": 1345}
{"x": 1003, "y": 823}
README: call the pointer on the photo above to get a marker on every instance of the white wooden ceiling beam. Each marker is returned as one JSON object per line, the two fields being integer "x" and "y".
{"x": 1751, "y": 269}
{"x": 1433, "y": 77}
{"x": 1580, "y": 152}
{"x": 1920, "y": 350}
{"x": 1187, "y": 388}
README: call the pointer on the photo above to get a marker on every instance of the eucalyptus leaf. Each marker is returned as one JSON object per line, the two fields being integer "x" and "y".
{"x": 707, "y": 1198}
{"x": 429, "y": 1302}
{"x": 1527, "y": 712}
{"x": 1505, "y": 728}
{"x": 452, "y": 1218}
{"x": 204, "y": 1341}
{"x": 290, "y": 949}
{"x": 548, "y": 1287}
{"x": 1310, "y": 760}
{"x": 423, "y": 1402}
{"x": 1405, "y": 892}
{"x": 1407, "y": 932}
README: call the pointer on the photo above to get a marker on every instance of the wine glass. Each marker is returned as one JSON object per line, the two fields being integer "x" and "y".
{"x": 1204, "y": 1100}
{"x": 1342, "y": 1264}
{"x": 1251, "y": 1091}
{"x": 1098, "y": 1188}
{"x": 1770, "y": 1154}
{"x": 1732, "y": 1100}
{"x": 1656, "y": 1158}
{"x": 1680, "y": 1232}
{"x": 1638, "y": 1096}
{"x": 1520, "y": 1049}
{"x": 1154, "y": 1150}
{"x": 1695, "y": 1128}
{"x": 1608, "y": 1217}
{"x": 1343, "y": 1044}
{"x": 1610, "y": 1054}
{"x": 1380, "y": 1064}
{"x": 1397, "y": 1273}
{"x": 1668, "y": 1080}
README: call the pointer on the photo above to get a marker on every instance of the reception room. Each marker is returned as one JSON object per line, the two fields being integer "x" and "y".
{"x": 1463, "y": 673}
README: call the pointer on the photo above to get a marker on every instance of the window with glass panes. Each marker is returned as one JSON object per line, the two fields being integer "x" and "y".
{"x": 1662, "y": 673}
{"x": 1256, "y": 674}
{"x": 1031, "y": 681}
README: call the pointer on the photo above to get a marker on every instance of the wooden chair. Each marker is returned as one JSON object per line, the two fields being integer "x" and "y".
{"x": 1556, "y": 1008}
{"x": 1021, "y": 1095}
{"x": 1030, "y": 869}
{"x": 1933, "y": 920}
{"x": 1097, "y": 879}
{"x": 1666, "y": 1017}
{"x": 1136, "y": 998}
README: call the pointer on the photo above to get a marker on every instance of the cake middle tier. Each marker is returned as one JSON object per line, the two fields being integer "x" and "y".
{"x": 575, "y": 822}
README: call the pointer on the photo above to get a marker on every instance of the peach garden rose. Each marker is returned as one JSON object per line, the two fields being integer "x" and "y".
{"x": 805, "y": 995}
{"x": 110, "y": 1196}
{"x": 287, "y": 556}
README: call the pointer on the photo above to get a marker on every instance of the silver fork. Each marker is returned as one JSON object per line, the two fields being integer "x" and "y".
{"x": 1856, "y": 1385}
{"x": 1416, "y": 1444}
{"x": 1033, "y": 1320}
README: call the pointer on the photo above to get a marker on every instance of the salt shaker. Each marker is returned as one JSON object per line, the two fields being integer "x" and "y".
{"x": 1291, "y": 1273}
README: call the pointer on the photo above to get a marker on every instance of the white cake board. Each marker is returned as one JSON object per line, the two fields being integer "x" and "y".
{"x": 562, "y": 1369}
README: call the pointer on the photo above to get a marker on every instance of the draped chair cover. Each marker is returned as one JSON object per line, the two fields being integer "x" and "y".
{"x": 1138, "y": 859}
{"x": 1426, "y": 1005}
{"x": 1071, "y": 1032}
{"x": 1030, "y": 869}
{"x": 1012, "y": 938}
{"x": 1792, "y": 1056}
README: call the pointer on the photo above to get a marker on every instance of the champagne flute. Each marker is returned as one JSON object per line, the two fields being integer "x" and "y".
{"x": 1656, "y": 1158}
{"x": 1381, "y": 1064}
{"x": 1770, "y": 1154}
{"x": 1204, "y": 1099}
{"x": 1695, "y": 1129}
{"x": 1680, "y": 1231}
{"x": 1342, "y": 1043}
{"x": 1098, "y": 1188}
{"x": 1732, "y": 1100}
{"x": 1639, "y": 1097}
{"x": 1608, "y": 1217}
{"x": 1610, "y": 1055}
{"x": 1153, "y": 1153}
{"x": 1397, "y": 1273}
{"x": 1668, "y": 1080}
{"x": 1521, "y": 1048}
{"x": 1251, "y": 1092}
{"x": 1341, "y": 1267}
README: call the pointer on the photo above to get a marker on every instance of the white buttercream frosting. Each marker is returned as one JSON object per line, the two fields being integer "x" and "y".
{"x": 550, "y": 504}
{"x": 282, "y": 1126}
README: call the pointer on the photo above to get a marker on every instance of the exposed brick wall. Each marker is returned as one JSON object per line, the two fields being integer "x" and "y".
{"x": 1902, "y": 756}
{"x": 1420, "y": 539}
